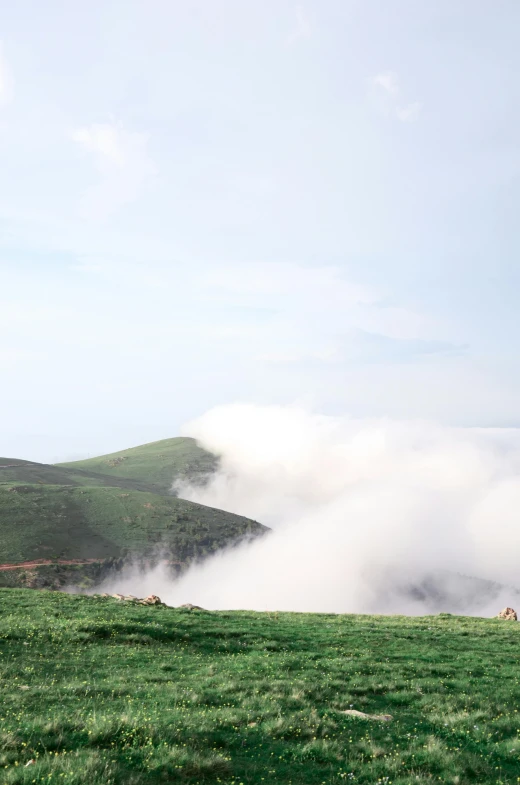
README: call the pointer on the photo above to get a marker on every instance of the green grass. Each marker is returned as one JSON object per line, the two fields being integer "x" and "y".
{"x": 113, "y": 694}
{"x": 158, "y": 463}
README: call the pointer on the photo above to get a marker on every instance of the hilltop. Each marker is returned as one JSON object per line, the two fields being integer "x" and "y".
{"x": 158, "y": 463}
{"x": 31, "y": 473}
{"x": 56, "y": 515}
{"x": 108, "y": 693}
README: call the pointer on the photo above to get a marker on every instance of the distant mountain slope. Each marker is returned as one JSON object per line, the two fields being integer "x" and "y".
{"x": 158, "y": 463}
{"x": 52, "y": 521}
{"x": 28, "y": 472}
{"x": 73, "y": 512}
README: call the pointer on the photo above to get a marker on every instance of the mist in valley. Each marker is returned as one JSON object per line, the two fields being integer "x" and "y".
{"x": 370, "y": 515}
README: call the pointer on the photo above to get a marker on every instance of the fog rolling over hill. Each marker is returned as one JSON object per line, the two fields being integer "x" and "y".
{"x": 368, "y": 515}
{"x": 63, "y": 525}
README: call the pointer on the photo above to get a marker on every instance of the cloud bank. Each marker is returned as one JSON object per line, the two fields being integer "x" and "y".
{"x": 367, "y": 515}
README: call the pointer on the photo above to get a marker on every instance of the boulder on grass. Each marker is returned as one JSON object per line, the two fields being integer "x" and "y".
{"x": 152, "y": 599}
{"x": 509, "y": 614}
{"x": 363, "y": 716}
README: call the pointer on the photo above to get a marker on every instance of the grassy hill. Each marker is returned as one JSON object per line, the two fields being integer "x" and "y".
{"x": 115, "y": 694}
{"x": 60, "y": 513}
{"x": 28, "y": 472}
{"x": 158, "y": 463}
{"x": 83, "y": 523}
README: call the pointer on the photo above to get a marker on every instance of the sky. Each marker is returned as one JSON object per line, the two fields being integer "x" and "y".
{"x": 204, "y": 203}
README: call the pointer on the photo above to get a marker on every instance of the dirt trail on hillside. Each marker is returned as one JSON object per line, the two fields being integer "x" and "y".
{"x": 27, "y": 565}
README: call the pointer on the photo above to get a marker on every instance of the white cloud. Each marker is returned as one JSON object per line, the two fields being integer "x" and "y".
{"x": 409, "y": 113}
{"x": 313, "y": 302}
{"x": 6, "y": 80}
{"x": 324, "y": 355}
{"x": 124, "y": 163}
{"x": 103, "y": 139}
{"x": 384, "y": 94}
{"x": 388, "y": 81}
{"x": 87, "y": 268}
{"x": 302, "y": 28}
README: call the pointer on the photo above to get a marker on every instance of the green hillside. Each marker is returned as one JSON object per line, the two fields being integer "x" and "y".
{"x": 28, "y": 472}
{"x": 158, "y": 463}
{"x": 106, "y": 693}
{"x": 57, "y": 514}
{"x": 38, "y": 522}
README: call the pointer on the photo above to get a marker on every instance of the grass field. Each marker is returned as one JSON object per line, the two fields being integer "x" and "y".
{"x": 157, "y": 463}
{"x": 113, "y": 694}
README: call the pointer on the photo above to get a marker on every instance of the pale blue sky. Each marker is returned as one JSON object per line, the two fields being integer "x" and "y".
{"x": 205, "y": 202}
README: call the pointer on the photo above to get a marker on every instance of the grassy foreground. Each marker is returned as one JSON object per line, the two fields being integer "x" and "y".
{"x": 102, "y": 693}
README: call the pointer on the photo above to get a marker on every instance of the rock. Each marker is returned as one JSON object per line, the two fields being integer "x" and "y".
{"x": 152, "y": 599}
{"x": 509, "y": 614}
{"x": 191, "y": 607}
{"x": 363, "y": 716}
